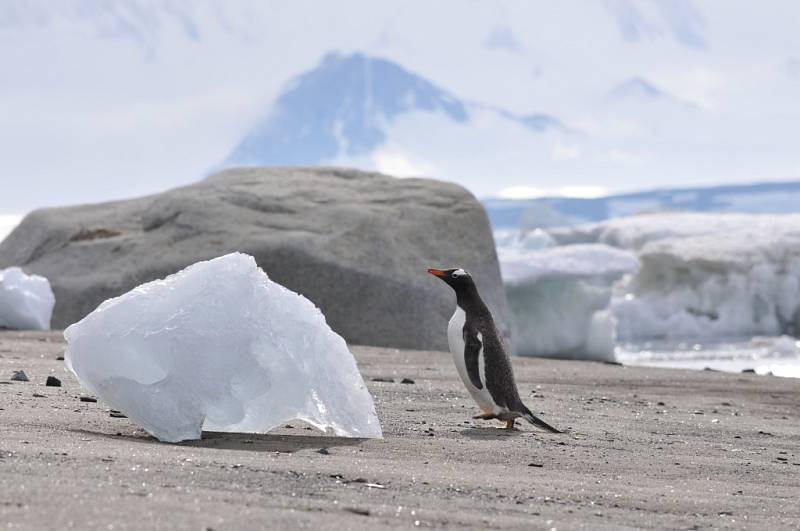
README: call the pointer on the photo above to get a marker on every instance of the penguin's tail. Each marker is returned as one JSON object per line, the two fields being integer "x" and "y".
{"x": 536, "y": 421}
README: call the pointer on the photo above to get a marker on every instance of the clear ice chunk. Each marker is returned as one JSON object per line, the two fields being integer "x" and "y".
{"x": 26, "y": 301}
{"x": 219, "y": 346}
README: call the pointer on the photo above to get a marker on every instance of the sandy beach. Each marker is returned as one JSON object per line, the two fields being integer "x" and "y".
{"x": 644, "y": 448}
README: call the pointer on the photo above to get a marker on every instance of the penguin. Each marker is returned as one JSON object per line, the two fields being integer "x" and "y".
{"x": 479, "y": 356}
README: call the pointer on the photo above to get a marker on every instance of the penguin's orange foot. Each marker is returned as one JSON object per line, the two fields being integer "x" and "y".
{"x": 485, "y": 416}
{"x": 510, "y": 424}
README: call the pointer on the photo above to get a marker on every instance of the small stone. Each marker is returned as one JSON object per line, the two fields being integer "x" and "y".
{"x": 385, "y": 380}
{"x": 88, "y": 399}
{"x": 19, "y": 376}
{"x": 537, "y": 465}
{"x": 37, "y": 395}
{"x": 323, "y": 451}
{"x": 116, "y": 414}
{"x": 60, "y": 358}
{"x": 52, "y": 381}
{"x": 407, "y": 381}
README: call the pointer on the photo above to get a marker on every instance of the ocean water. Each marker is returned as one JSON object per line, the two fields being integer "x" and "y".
{"x": 779, "y": 356}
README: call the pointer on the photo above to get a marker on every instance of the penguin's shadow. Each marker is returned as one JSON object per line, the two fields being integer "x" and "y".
{"x": 491, "y": 433}
{"x": 250, "y": 442}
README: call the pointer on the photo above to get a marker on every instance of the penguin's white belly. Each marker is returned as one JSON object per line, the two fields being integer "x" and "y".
{"x": 455, "y": 339}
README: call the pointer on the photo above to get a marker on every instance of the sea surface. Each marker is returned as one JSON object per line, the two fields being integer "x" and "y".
{"x": 779, "y": 356}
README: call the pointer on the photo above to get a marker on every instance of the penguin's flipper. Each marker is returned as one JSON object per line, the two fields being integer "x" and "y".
{"x": 536, "y": 421}
{"x": 472, "y": 351}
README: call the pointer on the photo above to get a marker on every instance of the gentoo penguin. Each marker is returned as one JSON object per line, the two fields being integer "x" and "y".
{"x": 480, "y": 358}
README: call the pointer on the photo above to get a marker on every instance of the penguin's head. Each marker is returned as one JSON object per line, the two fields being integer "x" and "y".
{"x": 456, "y": 278}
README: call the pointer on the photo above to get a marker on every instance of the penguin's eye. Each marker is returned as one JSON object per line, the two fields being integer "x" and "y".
{"x": 454, "y": 275}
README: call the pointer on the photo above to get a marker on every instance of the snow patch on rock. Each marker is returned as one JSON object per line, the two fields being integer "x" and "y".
{"x": 26, "y": 301}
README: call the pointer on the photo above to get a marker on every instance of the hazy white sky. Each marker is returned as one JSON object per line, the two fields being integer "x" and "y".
{"x": 111, "y": 98}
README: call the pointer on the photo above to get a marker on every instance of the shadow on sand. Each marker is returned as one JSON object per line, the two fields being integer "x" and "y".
{"x": 250, "y": 442}
{"x": 255, "y": 442}
{"x": 490, "y": 433}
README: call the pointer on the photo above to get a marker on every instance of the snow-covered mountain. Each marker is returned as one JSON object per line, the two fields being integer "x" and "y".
{"x": 346, "y": 107}
{"x": 761, "y": 198}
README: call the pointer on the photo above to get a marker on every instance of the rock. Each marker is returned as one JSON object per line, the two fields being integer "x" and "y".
{"x": 407, "y": 381}
{"x": 88, "y": 399}
{"x": 19, "y": 376}
{"x": 52, "y": 381}
{"x": 356, "y": 244}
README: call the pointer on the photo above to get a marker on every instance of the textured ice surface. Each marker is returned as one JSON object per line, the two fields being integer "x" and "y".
{"x": 559, "y": 297}
{"x": 704, "y": 276}
{"x": 219, "y": 346}
{"x": 26, "y": 301}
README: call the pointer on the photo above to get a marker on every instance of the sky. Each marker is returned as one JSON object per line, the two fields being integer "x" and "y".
{"x": 119, "y": 98}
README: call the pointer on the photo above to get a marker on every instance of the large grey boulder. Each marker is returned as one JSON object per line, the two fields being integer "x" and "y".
{"x": 356, "y": 244}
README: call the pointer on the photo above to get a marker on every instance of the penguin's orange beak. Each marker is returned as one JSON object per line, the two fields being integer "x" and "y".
{"x": 437, "y": 272}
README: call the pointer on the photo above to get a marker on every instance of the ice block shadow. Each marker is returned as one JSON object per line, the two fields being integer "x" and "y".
{"x": 251, "y": 442}
{"x": 257, "y": 442}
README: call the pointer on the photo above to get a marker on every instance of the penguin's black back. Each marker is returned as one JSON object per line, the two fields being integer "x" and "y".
{"x": 498, "y": 372}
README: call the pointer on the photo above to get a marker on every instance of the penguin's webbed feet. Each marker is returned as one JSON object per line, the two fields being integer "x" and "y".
{"x": 485, "y": 416}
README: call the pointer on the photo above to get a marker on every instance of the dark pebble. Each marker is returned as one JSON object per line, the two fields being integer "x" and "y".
{"x": 386, "y": 380}
{"x": 116, "y": 414}
{"x": 37, "y": 395}
{"x": 60, "y": 358}
{"x": 52, "y": 381}
{"x": 323, "y": 451}
{"x": 355, "y": 510}
{"x": 19, "y": 376}
{"x": 88, "y": 399}
{"x": 750, "y": 371}
{"x": 407, "y": 381}
{"x": 537, "y": 465}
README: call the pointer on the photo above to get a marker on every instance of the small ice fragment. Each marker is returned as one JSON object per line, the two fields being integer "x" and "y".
{"x": 26, "y": 301}
{"x": 219, "y": 346}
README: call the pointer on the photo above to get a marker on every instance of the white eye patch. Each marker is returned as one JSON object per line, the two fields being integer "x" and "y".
{"x": 458, "y": 273}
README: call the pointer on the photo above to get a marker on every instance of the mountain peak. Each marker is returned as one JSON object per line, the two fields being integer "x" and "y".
{"x": 342, "y": 106}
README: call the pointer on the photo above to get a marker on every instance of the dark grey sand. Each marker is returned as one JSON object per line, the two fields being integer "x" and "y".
{"x": 646, "y": 448}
